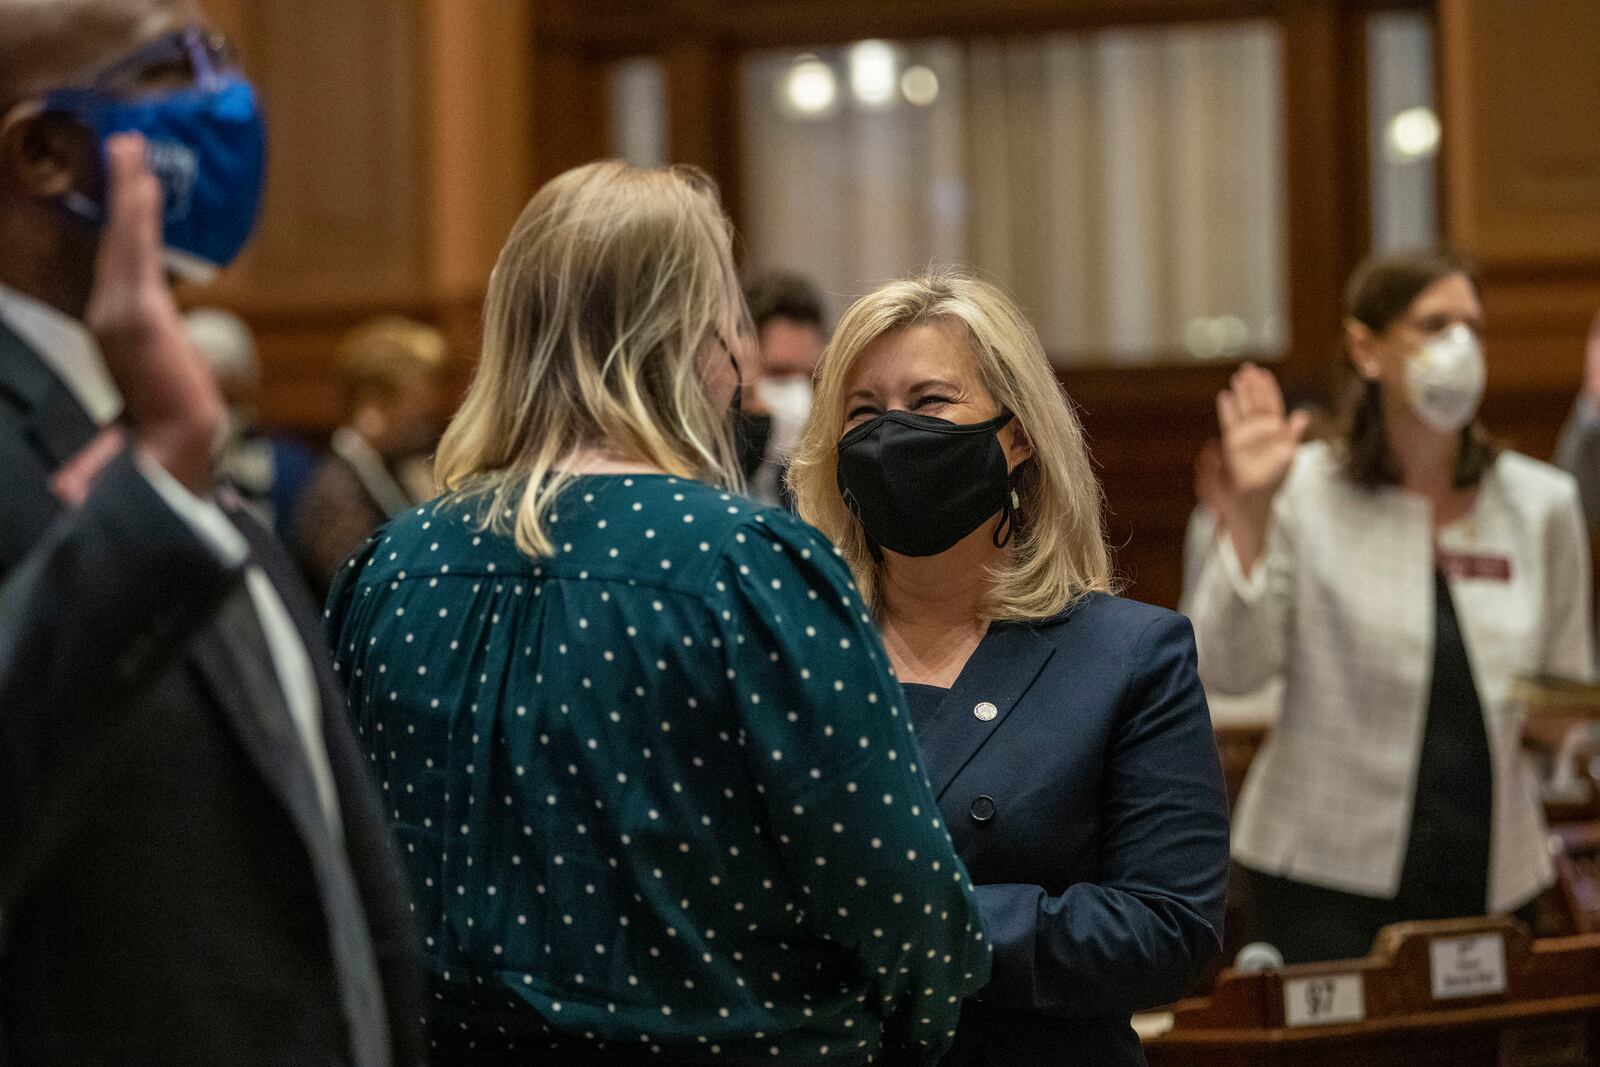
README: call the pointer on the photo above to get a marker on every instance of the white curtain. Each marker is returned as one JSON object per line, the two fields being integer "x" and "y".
{"x": 1126, "y": 186}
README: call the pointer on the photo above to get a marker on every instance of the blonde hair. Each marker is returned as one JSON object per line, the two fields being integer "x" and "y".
{"x": 1059, "y": 552}
{"x": 378, "y": 355}
{"x": 612, "y": 281}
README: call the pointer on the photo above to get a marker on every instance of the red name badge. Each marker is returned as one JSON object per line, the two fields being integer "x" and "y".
{"x": 1482, "y": 568}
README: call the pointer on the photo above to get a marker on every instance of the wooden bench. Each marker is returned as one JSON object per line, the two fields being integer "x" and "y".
{"x": 1463, "y": 992}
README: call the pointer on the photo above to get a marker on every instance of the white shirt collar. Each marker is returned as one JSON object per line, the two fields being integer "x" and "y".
{"x": 68, "y": 349}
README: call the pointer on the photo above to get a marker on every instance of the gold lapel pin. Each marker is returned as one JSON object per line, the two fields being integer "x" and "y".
{"x": 985, "y": 711}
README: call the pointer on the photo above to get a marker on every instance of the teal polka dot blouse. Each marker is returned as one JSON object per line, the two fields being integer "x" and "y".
{"x": 657, "y": 794}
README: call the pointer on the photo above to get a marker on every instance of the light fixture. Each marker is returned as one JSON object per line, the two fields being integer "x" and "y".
{"x": 872, "y": 73}
{"x": 920, "y": 86}
{"x": 1413, "y": 134}
{"x": 809, "y": 89}
{"x": 1230, "y": 335}
{"x": 1222, "y": 337}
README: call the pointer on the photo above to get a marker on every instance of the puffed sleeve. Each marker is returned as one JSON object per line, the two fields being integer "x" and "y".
{"x": 827, "y": 738}
{"x": 345, "y": 596}
{"x": 1241, "y": 622}
{"x": 1144, "y": 932}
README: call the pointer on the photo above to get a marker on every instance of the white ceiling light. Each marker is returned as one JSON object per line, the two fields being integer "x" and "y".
{"x": 809, "y": 89}
{"x": 920, "y": 86}
{"x": 1414, "y": 134}
{"x": 872, "y": 73}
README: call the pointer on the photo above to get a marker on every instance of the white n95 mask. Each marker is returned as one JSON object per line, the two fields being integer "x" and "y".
{"x": 1446, "y": 378}
{"x": 789, "y": 400}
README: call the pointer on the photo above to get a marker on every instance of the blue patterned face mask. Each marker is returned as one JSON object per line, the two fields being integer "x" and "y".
{"x": 206, "y": 144}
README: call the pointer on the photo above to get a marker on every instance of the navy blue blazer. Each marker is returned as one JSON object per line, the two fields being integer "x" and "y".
{"x": 1090, "y": 811}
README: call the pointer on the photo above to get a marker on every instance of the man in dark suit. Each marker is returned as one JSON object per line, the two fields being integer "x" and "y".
{"x": 193, "y": 868}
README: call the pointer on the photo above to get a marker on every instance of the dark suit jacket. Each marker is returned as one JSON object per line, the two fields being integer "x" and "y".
{"x": 157, "y": 898}
{"x": 1090, "y": 811}
{"x": 336, "y": 516}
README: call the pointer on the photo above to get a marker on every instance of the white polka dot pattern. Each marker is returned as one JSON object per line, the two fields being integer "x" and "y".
{"x": 648, "y": 791}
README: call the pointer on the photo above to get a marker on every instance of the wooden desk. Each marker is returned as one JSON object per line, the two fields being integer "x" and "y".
{"x": 1463, "y": 993}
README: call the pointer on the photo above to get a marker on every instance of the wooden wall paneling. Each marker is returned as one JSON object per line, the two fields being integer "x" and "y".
{"x": 1522, "y": 92}
{"x": 1144, "y": 427}
{"x": 480, "y": 171}
{"x": 479, "y": 126}
{"x": 703, "y": 113}
{"x": 343, "y": 211}
{"x": 401, "y": 139}
{"x": 569, "y": 108}
{"x": 1324, "y": 116}
{"x": 341, "y": 234}
{"x": 773, "y": 23}
{"x": 1521, "y": 152}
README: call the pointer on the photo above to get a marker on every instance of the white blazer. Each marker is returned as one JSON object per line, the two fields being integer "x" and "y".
{"x": 1342, "y": 604}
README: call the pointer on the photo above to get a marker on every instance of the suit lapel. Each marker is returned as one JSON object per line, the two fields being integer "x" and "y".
{"x": 57, "y": 423}
{"x": 1001, "y": 669}
{"x": 286, "y": 579}
{"x": 231, "y": 655}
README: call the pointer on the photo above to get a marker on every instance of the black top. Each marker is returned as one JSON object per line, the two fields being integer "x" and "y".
{"x": 1447, "y": 856}
{"x": 923, "y": 702}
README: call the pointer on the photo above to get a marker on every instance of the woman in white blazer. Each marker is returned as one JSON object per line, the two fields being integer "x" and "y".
{"x": 1399, "y": 579}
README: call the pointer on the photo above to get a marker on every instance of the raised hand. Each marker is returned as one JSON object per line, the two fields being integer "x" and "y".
{"x": 172, "y": 405}
{"x": 1258, "y": 437}
{"x": 1258, "y": 444}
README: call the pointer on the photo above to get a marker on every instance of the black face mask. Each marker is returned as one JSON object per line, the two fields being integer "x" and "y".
{"x": 918, "y": 484}
{"x": 751, "y": 433}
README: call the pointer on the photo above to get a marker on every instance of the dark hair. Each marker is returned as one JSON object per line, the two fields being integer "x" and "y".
{"x": 777, "y": 294}
{"x": 1379, "y": 293}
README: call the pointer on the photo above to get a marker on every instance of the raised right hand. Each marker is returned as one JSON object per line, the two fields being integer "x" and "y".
{"x": 1258, "y": 438}
{"x": 172, "y": 405}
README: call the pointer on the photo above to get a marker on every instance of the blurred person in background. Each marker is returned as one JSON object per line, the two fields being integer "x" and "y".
{"x": 1213, "y": 493}
{"x": 192, "y": 866}
{"x": 1578, "y": 452}
{"x": 269, "y": 472}
{"x": 651, "y": 774}
{"x": 1212, "y": 487}
{"x": 391, "y": 390}
{"x": 1063, "y": 728}
{"x": 1399, "y": 579}
{"x": 790, "y": 333}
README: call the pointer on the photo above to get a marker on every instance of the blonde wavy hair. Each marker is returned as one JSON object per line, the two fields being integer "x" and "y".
{"x": 1058, "y": 553}
{"x": 613, "y": 282}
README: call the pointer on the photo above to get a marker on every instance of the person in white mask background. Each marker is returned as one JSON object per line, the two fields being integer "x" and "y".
{"x": 1399, "y": 577}
{"x": 267, "y": 470}
{"x": 791, "y": 330}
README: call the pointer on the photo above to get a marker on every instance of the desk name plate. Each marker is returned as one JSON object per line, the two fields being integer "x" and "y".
{"x": 1471, "y": 966}
{"x": 1324, "y": 999}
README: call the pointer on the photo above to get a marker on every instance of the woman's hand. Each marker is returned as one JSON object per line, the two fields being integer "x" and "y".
{"x": 173, "y": 407}
{"x": 1258, "y": 445}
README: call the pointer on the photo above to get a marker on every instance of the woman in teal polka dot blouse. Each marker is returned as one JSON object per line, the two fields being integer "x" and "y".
{"x": 652, "y": 780}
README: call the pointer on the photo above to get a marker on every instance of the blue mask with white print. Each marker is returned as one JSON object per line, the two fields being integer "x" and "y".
{"x": 207, "y": 147}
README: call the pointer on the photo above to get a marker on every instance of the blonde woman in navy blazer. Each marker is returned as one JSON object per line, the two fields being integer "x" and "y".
{"x": 1063, "y": 729}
